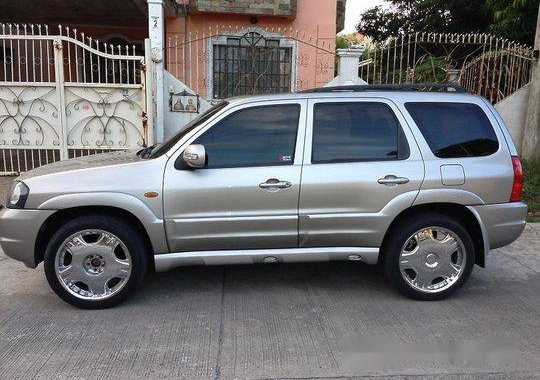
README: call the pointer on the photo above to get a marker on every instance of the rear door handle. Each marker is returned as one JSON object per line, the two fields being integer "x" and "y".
{"x": 274, "y": 183}
{"x": 392, "y": 180}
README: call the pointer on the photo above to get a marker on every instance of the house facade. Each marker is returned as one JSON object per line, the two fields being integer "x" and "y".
{"x": 81, "y": 77}
{"x": 218, "y": 48}
{"x": 223, "y": 48}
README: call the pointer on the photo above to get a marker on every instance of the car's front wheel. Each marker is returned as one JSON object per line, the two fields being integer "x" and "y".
{"x": 95, "y": 261}
{"x": 429, "y": 257}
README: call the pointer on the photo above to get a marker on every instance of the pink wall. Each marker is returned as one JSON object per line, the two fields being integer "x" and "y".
{"x": 314, "y": 29}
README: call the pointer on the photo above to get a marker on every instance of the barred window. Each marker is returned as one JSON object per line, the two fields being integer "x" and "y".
{"x": 251, "y": 64}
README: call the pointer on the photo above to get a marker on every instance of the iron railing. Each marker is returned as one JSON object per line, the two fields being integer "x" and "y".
{"x": 215, "y": 63}
{"x": 481, "y": 63}
{"x": 65, "y": 94}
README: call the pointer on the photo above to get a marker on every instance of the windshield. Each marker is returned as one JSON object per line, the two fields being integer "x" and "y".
{"x": 166, "y": 145}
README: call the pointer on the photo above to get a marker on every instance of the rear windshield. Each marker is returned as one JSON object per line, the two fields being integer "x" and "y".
{"x": 454, "y": 129}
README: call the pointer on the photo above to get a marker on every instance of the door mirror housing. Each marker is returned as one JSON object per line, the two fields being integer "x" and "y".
{"x": 195, "y": 156}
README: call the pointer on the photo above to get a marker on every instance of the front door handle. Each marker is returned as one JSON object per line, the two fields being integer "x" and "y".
{"x": 390, "y": 180}
{"x": 274, "y": 183}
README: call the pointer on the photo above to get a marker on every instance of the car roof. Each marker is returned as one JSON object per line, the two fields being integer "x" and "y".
{"x": 396, "y": 96}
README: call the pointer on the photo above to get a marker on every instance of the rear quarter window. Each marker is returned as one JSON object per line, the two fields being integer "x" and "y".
{"x": 454, "y": 129}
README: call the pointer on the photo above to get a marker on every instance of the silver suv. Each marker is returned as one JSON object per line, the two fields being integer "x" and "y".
{"x": 423, "y": 183}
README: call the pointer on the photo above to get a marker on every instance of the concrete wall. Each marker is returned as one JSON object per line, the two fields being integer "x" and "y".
{"x": 513, "y": 110}
{"x": 175, "y": 121}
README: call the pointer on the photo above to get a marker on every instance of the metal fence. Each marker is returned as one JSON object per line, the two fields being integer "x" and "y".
{"x": 481, "y": 63}
{"x": 227, "y": 60}
{"x": 65, "y": 94}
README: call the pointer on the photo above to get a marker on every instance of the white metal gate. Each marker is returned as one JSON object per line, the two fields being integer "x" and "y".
{"x": 65, "y": 95}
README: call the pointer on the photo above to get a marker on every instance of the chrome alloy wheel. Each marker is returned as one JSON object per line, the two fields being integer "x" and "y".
{"x": 432, "y": 259}
{"x": 93, "y": 264}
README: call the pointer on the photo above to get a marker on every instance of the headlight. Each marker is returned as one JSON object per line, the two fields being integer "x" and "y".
{"x": 17, "y": 195}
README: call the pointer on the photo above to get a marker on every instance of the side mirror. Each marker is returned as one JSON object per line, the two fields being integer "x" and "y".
{"x": 195, "y": 156}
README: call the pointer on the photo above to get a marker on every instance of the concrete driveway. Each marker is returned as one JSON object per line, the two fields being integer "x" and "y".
{"x": 301, "y": 321}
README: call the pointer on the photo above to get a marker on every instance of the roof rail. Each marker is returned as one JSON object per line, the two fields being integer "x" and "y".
{"x": 420, "y": 87}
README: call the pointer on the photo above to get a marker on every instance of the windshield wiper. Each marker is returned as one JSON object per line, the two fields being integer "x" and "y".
{"x": 145, "y": 152}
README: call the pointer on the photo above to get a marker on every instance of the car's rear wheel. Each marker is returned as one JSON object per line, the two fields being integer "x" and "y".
{"x": 428, "y": 257}
{"x": 95, "y": 261}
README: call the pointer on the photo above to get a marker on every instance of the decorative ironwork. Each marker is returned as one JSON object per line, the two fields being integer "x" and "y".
{"x": 27, "y": 54}
{"x": 251, "y": 64}
{"x": 95, "y": 89}
{"x": 98, "y": 119}
{"x": 483, "y": 64}
{"x": 225, "y": 60}
{"x": 28, "y": 116}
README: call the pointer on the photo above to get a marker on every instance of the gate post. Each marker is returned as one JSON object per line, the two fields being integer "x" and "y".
{"x": 149, "y": 90}
{"x": 156, "y": 32}
{"x": 531, "y": 142}
{"x": 59, "y": 79}
{"x": 348, "y": 67}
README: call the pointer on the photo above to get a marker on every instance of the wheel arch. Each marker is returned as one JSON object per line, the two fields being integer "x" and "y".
{"x": 456, "y": 211}
{"x": 60, "y": 217}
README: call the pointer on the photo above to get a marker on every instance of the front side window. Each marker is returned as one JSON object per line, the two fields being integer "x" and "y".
{"x": 356, "y": 131}
{"x": 164, "y": 147}
{"x": 454, "y": 129}
{"x": 256, "y": 136}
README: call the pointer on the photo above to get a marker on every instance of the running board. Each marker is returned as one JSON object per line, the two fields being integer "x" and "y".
{"x": 167, "y": 261}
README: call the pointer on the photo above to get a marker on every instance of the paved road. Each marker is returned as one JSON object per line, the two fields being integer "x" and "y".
{"x": 330, "y": 320}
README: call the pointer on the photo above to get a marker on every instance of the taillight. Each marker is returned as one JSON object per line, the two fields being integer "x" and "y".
{"x": 517, "y": 186}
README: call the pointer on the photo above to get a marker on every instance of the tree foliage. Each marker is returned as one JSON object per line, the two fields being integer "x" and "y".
{"x": 515, "y": 19}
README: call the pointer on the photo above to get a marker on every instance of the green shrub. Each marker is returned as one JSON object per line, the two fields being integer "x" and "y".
{"x": 531, "y": 188}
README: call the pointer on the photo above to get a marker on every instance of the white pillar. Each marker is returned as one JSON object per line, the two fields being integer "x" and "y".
{"x": 156, "y": 33}
{"x": 531, "y": 142}
{"x": 348, "y": 67}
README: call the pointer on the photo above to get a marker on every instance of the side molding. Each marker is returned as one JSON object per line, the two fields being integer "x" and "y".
{"x": 169, "y": 261}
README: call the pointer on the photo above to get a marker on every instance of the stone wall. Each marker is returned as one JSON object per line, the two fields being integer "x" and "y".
{"x": 281, "y": 8}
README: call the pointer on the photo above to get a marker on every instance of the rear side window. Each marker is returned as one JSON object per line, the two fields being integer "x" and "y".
{"x": 356, "y": 131}
{"x": 454, "y": 129}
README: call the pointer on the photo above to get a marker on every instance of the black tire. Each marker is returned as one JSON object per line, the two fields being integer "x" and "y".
{"x": 129, "y": 236}
{"x": 399, "y": 235}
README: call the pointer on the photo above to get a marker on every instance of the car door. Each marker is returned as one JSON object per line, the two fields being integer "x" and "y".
{"x": 246, "y": 197}
{"x": 361, "y": 167}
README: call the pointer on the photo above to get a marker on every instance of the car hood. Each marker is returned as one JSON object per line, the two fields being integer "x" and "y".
{"x": 87, "y": 162}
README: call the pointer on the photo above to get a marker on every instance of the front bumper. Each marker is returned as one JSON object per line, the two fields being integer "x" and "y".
{"x": 502, "y": 223}
{"x": 18, "y": 233}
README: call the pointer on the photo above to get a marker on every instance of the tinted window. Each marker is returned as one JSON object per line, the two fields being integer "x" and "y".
{"x": 356, "y": 132}
{"x": 454, "y": 129}
{"x": 257, "y": 136}
{"x": 171, "y": 141}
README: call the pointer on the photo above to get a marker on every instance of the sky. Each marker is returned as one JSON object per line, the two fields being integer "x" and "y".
{"x": 353, "y": 10}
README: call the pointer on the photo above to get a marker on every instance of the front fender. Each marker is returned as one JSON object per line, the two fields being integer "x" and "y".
{"x": 153, "y": 224}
